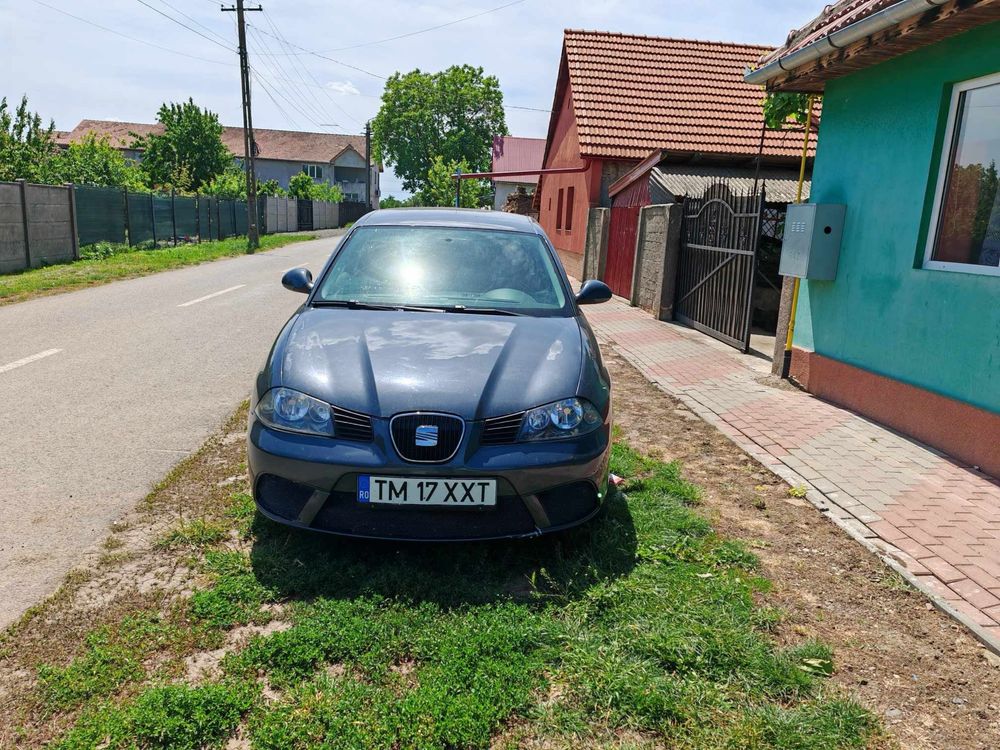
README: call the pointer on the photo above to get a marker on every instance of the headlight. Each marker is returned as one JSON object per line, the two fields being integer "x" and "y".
{"x": 285, "y": 409}
{"x": 561, "y": 419}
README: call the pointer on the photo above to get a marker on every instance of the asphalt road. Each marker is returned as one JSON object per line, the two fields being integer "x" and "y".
{"x": 103, "y": 390}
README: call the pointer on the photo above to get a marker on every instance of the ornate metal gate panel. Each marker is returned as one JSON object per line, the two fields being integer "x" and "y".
{"x": 715, "y": 275}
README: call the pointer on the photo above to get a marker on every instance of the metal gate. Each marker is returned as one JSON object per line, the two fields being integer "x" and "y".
{"x": 718, "y": 255}
{"x": 622, "y": 231}
{"x": 305, "y": 216}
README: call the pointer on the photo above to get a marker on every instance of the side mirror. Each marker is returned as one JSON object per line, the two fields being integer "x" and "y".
{"x": 592, "y": 292}
{"x": 298, "y": 280}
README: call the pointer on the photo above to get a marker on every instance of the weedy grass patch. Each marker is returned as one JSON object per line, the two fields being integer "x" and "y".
{"x": 644, "y": 624}
{"x": 104, "y": 263}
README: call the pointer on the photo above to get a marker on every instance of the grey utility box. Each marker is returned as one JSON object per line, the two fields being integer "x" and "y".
{"x": 811, "y": 247}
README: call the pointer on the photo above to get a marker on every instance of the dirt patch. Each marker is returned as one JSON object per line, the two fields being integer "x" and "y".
{"x": 933, "y": 684}
{"x": 130, "y": 572}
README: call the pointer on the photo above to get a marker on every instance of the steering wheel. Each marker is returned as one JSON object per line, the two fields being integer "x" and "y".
{"x": 506, "y": 294}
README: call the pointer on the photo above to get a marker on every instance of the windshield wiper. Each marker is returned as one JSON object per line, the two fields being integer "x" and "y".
{"x": 352, "y": 304}
{"x": 480, "y": 310}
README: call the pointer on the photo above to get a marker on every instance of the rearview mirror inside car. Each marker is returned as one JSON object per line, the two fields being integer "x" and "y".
{"x": 593, "y": 292}
{"x": 298, "y": 280}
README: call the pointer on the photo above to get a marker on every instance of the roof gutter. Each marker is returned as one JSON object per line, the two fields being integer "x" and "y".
{"x": 839, "y": 39}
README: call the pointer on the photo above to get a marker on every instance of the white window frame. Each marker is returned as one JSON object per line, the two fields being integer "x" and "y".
{"x": 947, "y": 147}
{"x": 315, "y": 171}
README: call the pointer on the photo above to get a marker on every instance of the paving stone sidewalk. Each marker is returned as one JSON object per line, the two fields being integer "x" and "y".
{"x": 933, "y": 519}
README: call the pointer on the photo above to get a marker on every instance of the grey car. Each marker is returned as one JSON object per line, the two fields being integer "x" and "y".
{"x": 438, "y": 383}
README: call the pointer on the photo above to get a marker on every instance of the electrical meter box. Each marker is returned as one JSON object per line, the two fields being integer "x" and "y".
{"x": 811, "y": 247}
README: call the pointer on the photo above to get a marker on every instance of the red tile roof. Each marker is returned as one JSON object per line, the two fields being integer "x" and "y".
{"x": 287, "y": 145}
{"x": 633, "y": 94}
{"x": 833, "y": 18}
{"x": 519, "y": 153}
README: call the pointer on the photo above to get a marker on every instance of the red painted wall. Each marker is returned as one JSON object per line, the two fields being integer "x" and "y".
{"x": 564, "y": 151}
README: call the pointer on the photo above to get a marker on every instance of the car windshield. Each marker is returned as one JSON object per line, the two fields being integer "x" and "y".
{"x": 448, "y": 267}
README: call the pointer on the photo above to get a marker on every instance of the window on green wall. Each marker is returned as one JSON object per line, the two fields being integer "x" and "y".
{"x": 965, "y": 224}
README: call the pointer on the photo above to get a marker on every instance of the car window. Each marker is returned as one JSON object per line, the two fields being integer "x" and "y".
{"x": 445, "y": 266}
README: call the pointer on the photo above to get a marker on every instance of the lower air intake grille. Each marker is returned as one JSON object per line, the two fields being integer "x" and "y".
{"x": 350, "y": 425}
{"x": 502, "y": 430}
{"x": 426, "y": 438}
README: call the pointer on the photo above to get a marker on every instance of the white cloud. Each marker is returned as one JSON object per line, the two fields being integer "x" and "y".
{"x": 344, "y": 88}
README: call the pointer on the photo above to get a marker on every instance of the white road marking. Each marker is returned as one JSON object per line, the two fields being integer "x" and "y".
{"x": 209, "y": 296}
{"x": 29, "y": 360}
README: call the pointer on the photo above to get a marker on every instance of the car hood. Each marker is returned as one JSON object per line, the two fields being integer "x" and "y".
{"x": 386, "y": 362}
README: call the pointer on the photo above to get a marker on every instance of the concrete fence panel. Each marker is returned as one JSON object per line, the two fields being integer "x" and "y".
{"x": 51, "y": 224}
{"x": 654, "y": 278}
{"x": 595, "y": 254}
{"x": 13, "y": 256}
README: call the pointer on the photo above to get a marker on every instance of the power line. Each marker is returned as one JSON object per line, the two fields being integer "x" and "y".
{"x": 130, "y": 38}
{"x": 296, "y": 60}
{"x": 265, "y": 87}
{"x": 325, "y": 57}
{"x": 195, "y": 21}
{"x": 315, "y": 115}
{"x": 429, "y": 28}
{"x": 181, "y": 23}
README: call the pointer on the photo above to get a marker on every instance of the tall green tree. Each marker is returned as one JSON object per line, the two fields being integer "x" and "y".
{"x": 439, "y": 187}
{"x": 303, "y": 186}
{"x": 453, "y": 114}
{"x": 26, "y": 146}
{"x": 94, "y": 161}
{"x": 189, "y": 153}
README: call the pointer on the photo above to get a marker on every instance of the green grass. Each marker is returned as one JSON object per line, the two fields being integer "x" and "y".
{"x": 644, "y": 624}
{"x": 111, "y": 264}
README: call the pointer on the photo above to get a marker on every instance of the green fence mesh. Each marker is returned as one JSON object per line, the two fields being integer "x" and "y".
{"x": 140, "y": 218}
{"x": 186, "y": 218}
{"x": 100, "y": 214}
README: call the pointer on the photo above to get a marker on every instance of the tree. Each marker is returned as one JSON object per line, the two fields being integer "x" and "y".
{"x": 189, "y": 153}
{"x": 302, "y": 186}
{"x": 439, "y": 187}
{"x": 453, "y": 114}
{"x": 779, "y": 106}
{"x": 94, "y": 161}
{"x": 232, "y": 183}
{"x": 26, "y": 147}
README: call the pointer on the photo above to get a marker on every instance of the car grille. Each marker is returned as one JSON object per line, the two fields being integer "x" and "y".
{"x": 350, "y": 425}
{"x": 502, "y": 430}
{"x": 403, "y": 428}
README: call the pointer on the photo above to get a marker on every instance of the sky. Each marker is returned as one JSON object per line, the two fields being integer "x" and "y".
{"x": 72, "y": 70}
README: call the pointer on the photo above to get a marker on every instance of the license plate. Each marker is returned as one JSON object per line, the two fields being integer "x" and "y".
{"x": 426, "y": 491}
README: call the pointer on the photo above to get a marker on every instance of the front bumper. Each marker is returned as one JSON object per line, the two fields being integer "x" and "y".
{"x": 311, "y": 483}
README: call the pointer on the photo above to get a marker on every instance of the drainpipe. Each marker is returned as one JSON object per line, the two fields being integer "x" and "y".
{"x": 839, "y": 39}
{"x": 786, "y": 364}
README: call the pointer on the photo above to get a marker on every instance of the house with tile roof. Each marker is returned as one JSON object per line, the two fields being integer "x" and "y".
{"x": 620, "y": 97}
{"x": 511, "y": 153}
{"x": 281, "y": 154}
{"x": 907, "y": 331}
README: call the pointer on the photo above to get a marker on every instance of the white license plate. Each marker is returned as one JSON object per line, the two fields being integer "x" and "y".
{"x": 426, "y": 491}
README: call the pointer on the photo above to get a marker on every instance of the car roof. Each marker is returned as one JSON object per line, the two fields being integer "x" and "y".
{"x": 470, "y": 218}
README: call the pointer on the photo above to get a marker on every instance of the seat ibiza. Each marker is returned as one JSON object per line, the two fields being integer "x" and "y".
{"x": 438, "y": 383}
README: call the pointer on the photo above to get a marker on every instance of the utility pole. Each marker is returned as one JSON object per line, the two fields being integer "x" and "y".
{"x": 368, "y": 162}
{"x": 249, "y": 146}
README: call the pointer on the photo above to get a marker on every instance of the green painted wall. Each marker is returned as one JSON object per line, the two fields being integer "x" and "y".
{"x": 878, "y": 150}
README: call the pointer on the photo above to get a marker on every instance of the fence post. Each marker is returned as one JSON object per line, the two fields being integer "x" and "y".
{"x": 71, "y": 194}
{"x": 173, "y": 216}
{"x": 24, "y": 224}
{"x": 128, "y": 221}
{"x": 152, "y": 218}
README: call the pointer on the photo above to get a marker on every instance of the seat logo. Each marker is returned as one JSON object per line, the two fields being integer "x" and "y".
{"x": 427, "y": 436}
